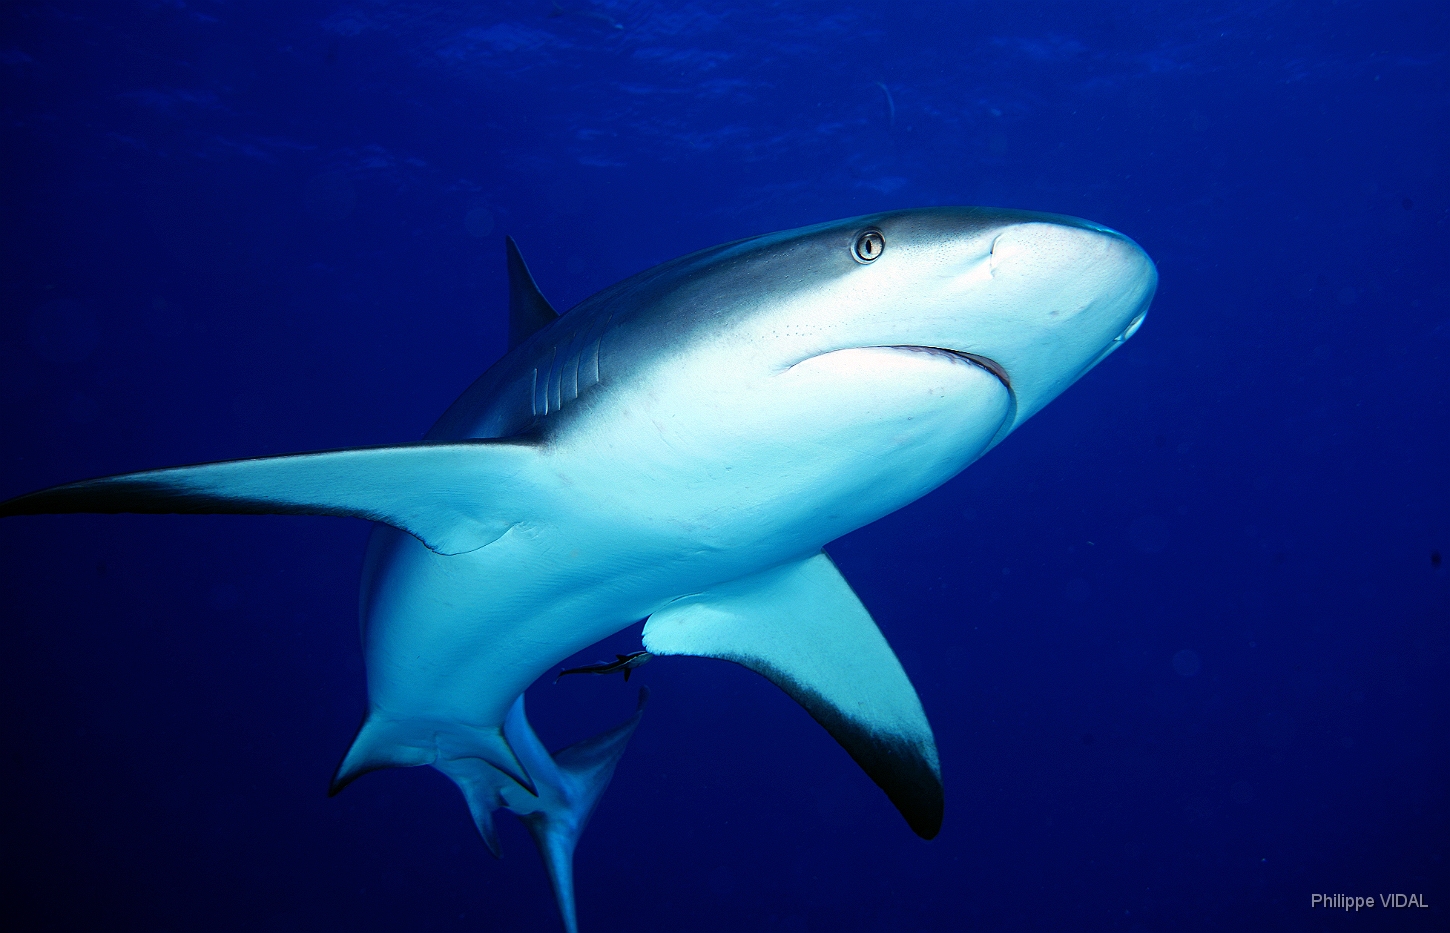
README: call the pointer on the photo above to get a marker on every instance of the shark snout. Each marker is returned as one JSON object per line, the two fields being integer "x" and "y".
{"x": 1063, "y": 294}
{"x": 1072, "y": 267}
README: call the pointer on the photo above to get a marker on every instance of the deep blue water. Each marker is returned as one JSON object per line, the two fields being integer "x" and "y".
{"x": 1182, "y": 637}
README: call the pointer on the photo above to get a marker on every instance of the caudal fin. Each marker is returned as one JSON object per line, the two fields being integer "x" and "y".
{"x": 583, "y": 772}
{"x": 569, "y": 784}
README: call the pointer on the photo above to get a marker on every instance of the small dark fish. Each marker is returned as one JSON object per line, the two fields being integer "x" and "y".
{"x": 622, "y": 662}
{"x": 1434, "y": 558}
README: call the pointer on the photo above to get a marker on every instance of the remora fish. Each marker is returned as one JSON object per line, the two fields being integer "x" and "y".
{"x": 622, "y": 664}
{"x": 679, "y": 448}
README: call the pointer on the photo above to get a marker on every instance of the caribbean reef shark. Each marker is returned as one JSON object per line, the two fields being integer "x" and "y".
{"x": 679, "y": 448}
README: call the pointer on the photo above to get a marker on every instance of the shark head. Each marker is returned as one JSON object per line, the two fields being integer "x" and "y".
{"x": 1036, "y": 299}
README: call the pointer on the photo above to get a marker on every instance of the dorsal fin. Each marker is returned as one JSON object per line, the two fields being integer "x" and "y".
{"x": 529, "y": 310}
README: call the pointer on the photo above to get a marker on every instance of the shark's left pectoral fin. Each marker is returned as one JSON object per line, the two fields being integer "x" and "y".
{"x": 454, "y": 497}
{"x": 802, "y": 627}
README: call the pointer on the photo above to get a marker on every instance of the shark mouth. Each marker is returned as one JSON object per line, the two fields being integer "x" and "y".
{"x": 989, "y": 365}
{"x": 958, "y": 356}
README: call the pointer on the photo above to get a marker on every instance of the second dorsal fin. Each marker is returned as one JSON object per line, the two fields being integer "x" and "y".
{"x": 529, "y": 310}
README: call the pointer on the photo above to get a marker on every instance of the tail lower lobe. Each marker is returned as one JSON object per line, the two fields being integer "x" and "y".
{"x": 569, "y": 784}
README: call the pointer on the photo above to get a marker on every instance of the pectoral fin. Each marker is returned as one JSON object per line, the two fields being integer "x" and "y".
{"x": 802, "y": 627}
{"x": 454, "y": 497}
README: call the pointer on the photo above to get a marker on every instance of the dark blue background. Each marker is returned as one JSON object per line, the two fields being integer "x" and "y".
{"x": 239, "y": 229}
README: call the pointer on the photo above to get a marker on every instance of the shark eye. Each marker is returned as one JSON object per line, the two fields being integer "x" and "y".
{"x": 868, "y": 246}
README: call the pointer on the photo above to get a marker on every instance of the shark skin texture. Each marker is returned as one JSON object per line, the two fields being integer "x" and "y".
{"x": 680, "y": 448}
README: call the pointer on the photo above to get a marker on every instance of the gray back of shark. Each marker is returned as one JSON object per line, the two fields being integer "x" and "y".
{"x": 679, "y": 448}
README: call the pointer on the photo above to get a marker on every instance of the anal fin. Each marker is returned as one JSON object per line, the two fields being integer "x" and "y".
{"x": 803, "y": 628}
